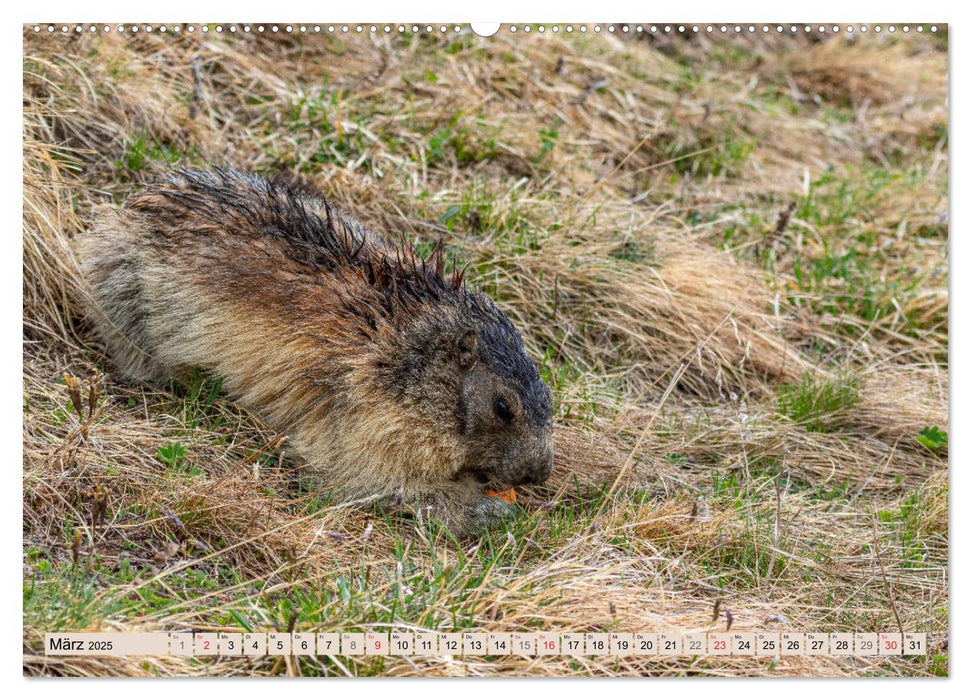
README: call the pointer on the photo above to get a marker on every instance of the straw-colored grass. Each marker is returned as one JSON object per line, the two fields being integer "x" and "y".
{"x": 729, "y": 255}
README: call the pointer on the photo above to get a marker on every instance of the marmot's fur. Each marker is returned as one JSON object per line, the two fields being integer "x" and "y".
{"x": 392, "y": 379}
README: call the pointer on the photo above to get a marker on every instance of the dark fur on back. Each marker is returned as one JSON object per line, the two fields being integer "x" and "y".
{"x": 319, "y": 242}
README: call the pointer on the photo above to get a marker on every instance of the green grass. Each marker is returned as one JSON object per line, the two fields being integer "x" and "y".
{"x": 199, "y": 403}
{"x": 848, "y": 254}
{"x": 933, "y": 438}
{"x": 468, "y": 143}
{"x": 144, "y": 150}
{"x": 817, "y": 403}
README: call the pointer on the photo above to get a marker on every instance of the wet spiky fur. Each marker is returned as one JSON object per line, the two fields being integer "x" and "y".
{"x": 385, "y": 372}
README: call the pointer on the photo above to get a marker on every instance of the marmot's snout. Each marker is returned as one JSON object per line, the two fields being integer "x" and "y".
{"x": 520, "y": 468}
{"x": 538, "y": 470}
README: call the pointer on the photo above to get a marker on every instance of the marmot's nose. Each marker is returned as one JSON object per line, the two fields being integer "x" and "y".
{"x": 539, "y": 471}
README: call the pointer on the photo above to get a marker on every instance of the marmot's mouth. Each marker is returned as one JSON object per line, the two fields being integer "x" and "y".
{"x": 490, "y": 480}
{"x": 483, "y": 477}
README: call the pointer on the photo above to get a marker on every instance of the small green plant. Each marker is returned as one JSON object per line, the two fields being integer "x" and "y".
{"x": 548, "y": 139}
{"x": 144, "y": 149}
{"x": 819, "y": 404}
{"x": 466, "y": 142}
{"x": 172, "y": 455}
{"x": 933, "y": 438}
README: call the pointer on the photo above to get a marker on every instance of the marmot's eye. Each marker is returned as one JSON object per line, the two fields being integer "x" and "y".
{"x": 502, "y": 410}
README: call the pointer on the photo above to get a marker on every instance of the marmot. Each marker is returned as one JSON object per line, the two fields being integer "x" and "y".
{"x": 393, "y": 379}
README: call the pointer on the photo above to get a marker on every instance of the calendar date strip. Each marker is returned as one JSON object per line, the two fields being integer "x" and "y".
{"x": 479, "y": 644}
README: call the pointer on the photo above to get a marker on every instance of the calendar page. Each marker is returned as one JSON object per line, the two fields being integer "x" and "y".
{"x": 586, "y": 349}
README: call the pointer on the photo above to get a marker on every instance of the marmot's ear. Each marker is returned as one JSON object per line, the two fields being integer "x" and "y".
{"x": 466, "y": 349}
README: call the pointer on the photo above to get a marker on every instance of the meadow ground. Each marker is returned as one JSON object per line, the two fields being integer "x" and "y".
{"x": 729, "y": 254}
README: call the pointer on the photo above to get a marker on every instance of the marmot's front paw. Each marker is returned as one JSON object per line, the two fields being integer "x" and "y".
{"x": 488, "y": 512}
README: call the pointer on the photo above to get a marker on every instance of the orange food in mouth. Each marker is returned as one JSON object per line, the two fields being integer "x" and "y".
{"x": 508, "y": 496}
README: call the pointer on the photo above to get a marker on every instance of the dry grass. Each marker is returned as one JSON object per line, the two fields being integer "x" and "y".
{"x": 730, "y": 255}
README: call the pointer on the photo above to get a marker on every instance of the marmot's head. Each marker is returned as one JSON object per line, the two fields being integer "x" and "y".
{"x": 469, "y": 371}
{"x": 505, "y": 409}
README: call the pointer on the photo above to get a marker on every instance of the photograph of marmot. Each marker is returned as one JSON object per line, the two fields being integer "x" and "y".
{"x": 586, "y": 329}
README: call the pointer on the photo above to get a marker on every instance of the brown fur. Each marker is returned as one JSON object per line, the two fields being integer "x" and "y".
{"x": 393, "y": 380}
